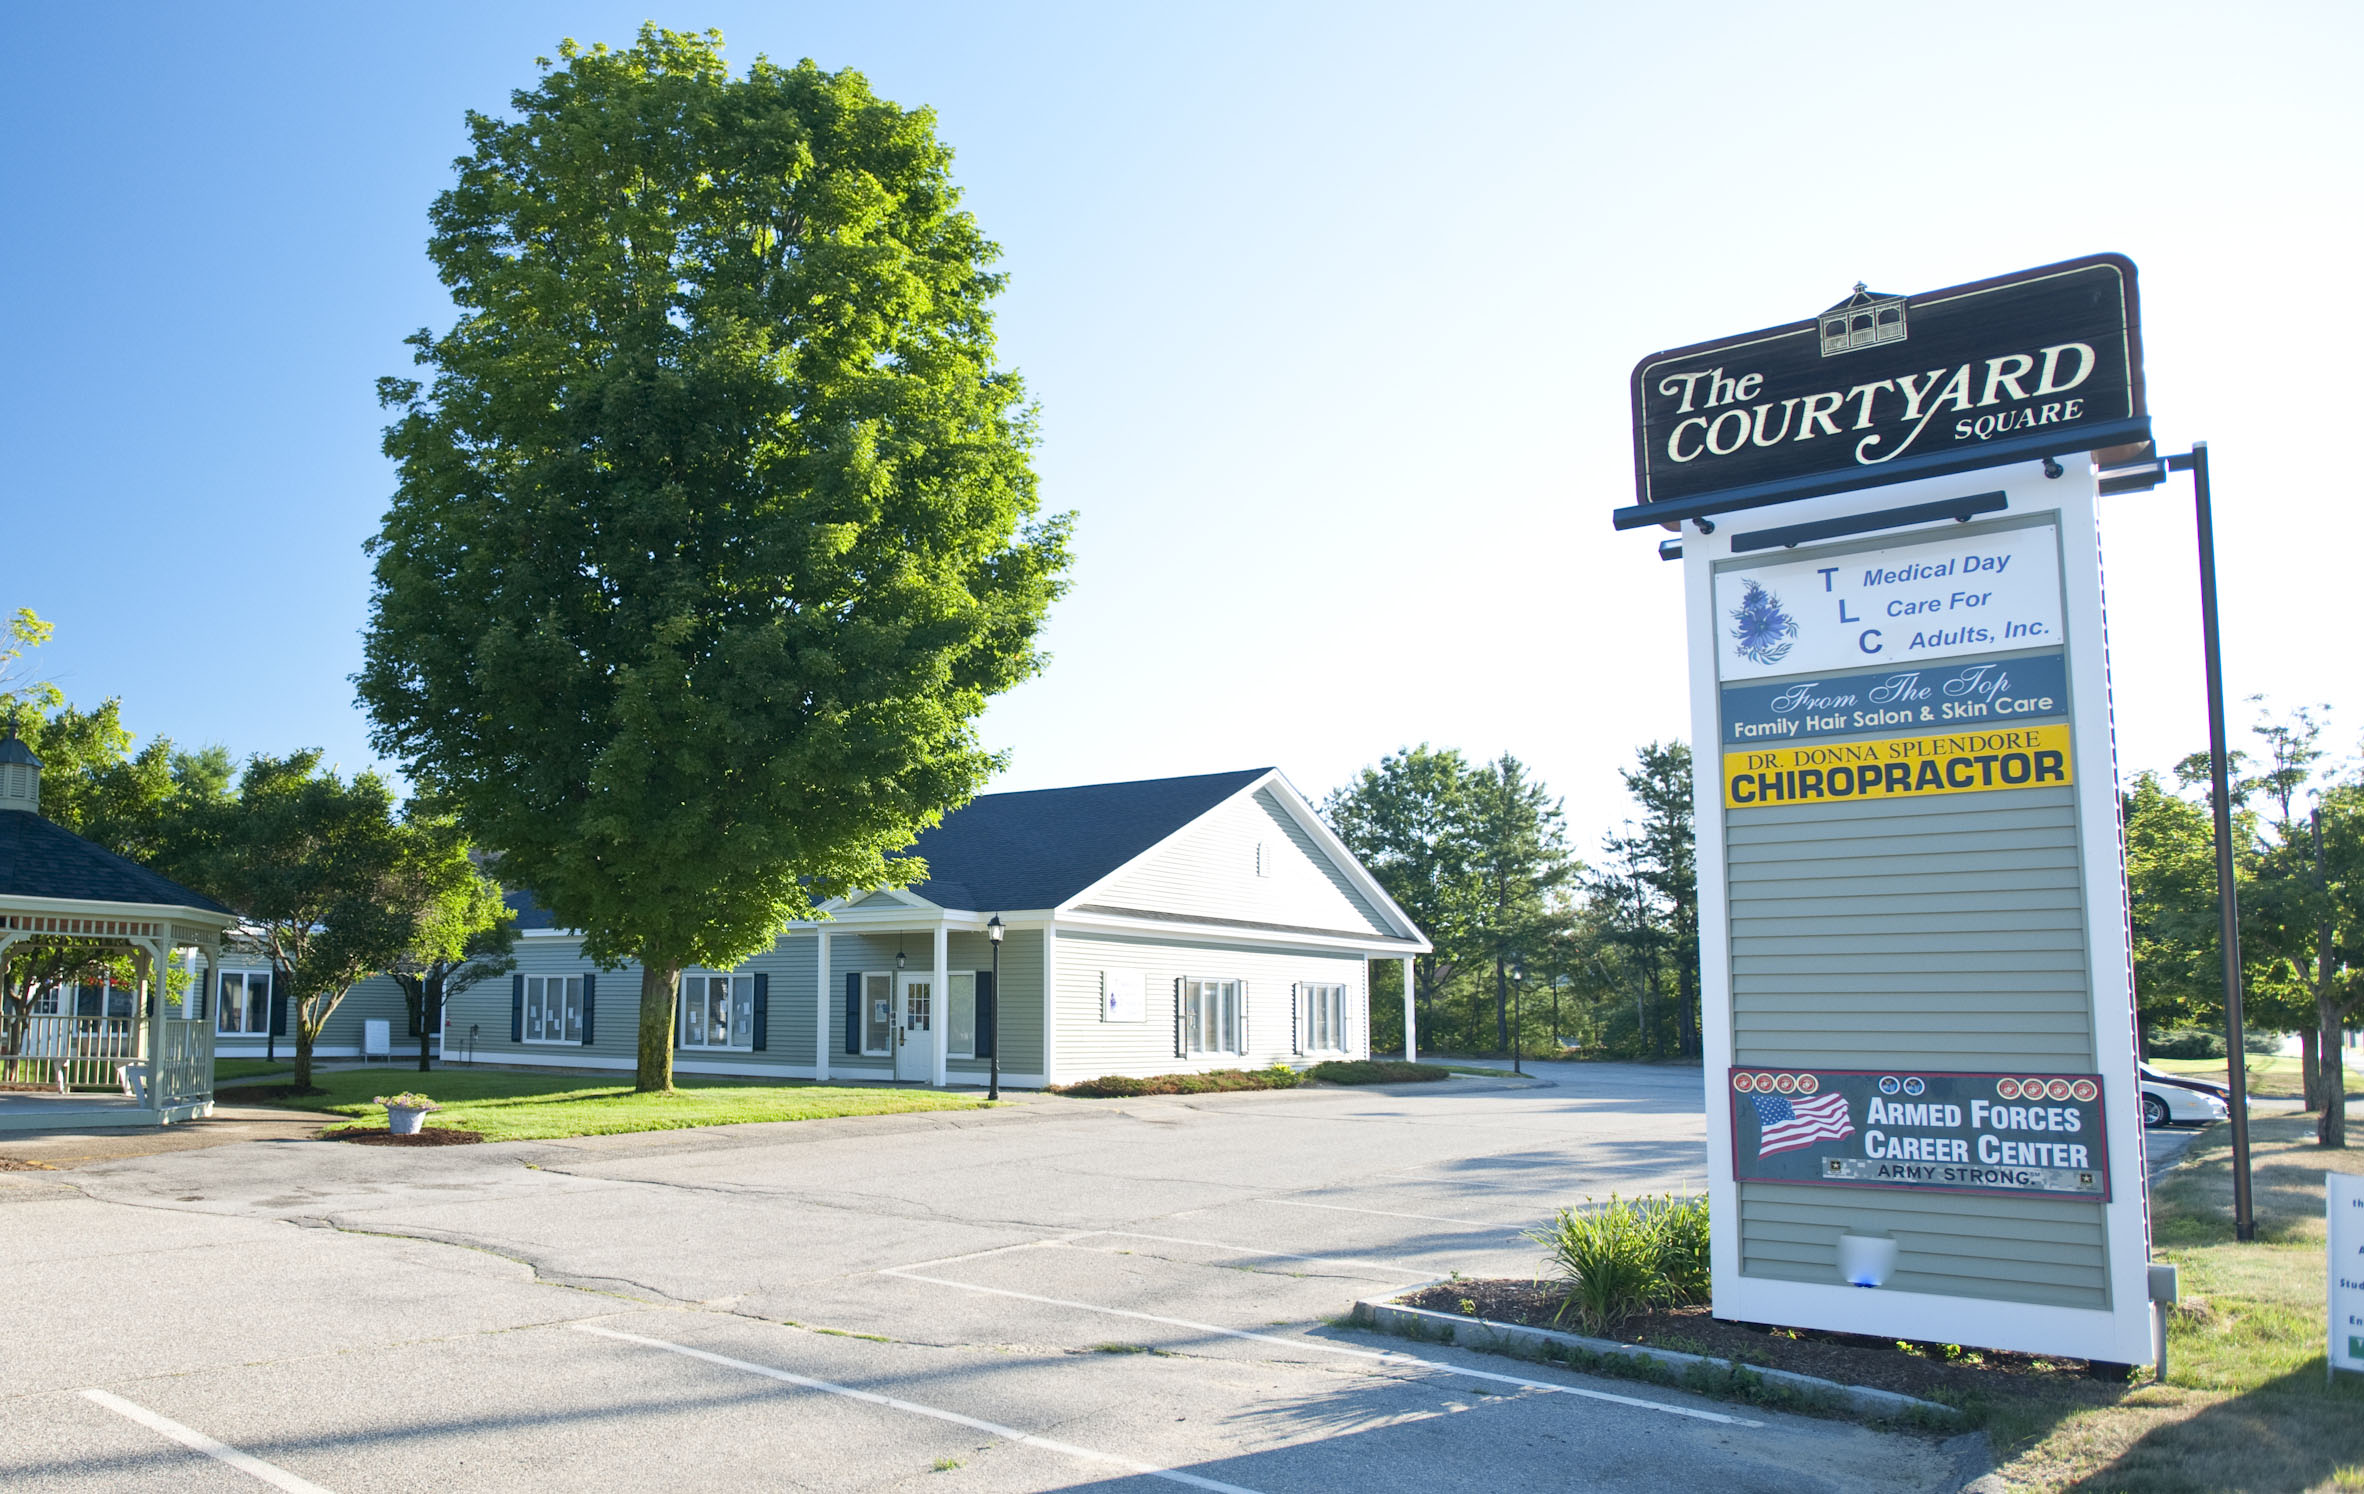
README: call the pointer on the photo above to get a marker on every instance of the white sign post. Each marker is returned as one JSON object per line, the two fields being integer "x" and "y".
{"x": 2343, "y": 1246}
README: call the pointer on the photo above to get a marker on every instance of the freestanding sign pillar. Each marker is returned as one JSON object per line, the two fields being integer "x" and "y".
{"x": 1923, "y": 1118}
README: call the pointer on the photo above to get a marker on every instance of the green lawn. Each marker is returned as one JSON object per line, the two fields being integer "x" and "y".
{"x": 501, "y": 1105}
{"x": 2244, "y": 1406}
{"x": 2274, "y": 1076}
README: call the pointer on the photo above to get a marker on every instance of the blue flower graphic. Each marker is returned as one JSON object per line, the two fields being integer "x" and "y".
{"x": 1760, "y": 629}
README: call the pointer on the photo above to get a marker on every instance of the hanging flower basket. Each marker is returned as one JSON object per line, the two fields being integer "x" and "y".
{"x": 406, "y": 1112}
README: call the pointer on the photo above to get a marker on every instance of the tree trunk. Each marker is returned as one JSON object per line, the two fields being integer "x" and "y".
{"x": 304, "y": 1034}
{"x": 2310, "y": 1072}
{"x": 660, "y": 986}
{"x": 430, "y": 1014}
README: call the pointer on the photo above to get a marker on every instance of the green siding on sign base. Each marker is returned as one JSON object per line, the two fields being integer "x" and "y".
{"x": 1975, "y": 904}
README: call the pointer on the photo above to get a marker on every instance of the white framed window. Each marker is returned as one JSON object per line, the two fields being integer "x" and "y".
{"x": 961, "y": 1038}
{"x": 718, "y": 1011}
{"x": 243, "y": 1005}
{"x": 878, "y": 1012}
{"x": 554, "y": 1009}
{"x": 1212, "y": 1019}
{"x": 1321, "y": 1016}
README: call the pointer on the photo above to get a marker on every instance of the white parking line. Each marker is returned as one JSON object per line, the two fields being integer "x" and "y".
{"x": 1318, "y": 1346}
{"x": 1278, "y": 1255}
{"x": 893, "y": 1403}
{"x": 246, "y": 1463}
{"x": 1299, "y": 1203}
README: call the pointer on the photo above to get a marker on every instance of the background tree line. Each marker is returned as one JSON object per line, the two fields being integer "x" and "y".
{"x": 1602, "y": 956}
{"x": 2298, "y": 866}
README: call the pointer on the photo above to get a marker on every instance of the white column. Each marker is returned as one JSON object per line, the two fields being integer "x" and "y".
{"x": 822, "y": 988}
{"x": 940, "y": 1009}
{"x": 1050, "y": 1001}
{"x": 1411, "y": 1038}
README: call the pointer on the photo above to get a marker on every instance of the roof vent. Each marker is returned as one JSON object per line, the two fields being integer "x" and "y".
{"x": 20, "y": 774}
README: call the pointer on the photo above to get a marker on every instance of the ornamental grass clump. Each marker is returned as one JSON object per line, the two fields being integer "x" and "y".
{"x": 1627, "y": 1257}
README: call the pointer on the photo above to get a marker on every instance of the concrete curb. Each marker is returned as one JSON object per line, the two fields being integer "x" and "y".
{"x": 1530, "y": 1343}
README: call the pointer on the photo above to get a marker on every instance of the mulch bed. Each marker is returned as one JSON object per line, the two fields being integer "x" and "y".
{"x": 1848, "y": 1358}
{"x": 427, "y": 1136}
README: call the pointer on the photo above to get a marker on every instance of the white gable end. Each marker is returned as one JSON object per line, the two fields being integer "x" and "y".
{"x": 1247, "y": 860}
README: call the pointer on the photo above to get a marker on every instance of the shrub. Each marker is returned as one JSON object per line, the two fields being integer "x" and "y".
{"x": 1608, "y": 1261}
{"x": 1628, "y": 1256}
{"x": 2187, "y": 1042}
{"x": 1679, "y": 1226}
{"x": 1377, "y": 1071}
{"x": 1216, "y": 1081}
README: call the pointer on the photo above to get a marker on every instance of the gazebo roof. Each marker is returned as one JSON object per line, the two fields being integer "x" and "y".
{"x": 45, "y": 860}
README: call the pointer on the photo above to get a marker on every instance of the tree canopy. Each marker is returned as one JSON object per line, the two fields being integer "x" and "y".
{"x": 714, "y": 528}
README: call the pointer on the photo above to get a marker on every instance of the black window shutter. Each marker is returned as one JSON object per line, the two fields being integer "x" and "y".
{"x": 205, "y": 989}
{"x": 987, "y": 1025}
{"x": 278, "y": 1005}
{"x": 1296, "y": 1002}
{"x": 590, "y": 1005}
{"x": 763, "y": 1012}
{"x": 516, "y": 1008}
{"x": 1178, "y": 984}
{"x": 853, "y": 1012}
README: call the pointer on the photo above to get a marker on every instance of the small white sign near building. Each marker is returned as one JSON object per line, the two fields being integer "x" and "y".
{"x": 2343, "y": 1242}
{"x": 1121, "y": 998}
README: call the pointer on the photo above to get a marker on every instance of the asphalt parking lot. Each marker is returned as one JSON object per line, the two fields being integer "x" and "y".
{"x": 1058, "y": 1295}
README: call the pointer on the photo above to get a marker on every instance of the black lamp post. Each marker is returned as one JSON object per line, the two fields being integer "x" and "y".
{"x": 903, "y": 1026}
{"x": 1518, "y": 990}
{"x": 994, "y": 931}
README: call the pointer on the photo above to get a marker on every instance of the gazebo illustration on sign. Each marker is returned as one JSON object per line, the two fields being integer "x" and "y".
{"x": 1862, "y": 320}
{"x": 96, "y": 1054}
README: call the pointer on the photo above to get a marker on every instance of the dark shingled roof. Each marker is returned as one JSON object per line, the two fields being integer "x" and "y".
{"x": 42, "y": 859}
{"x": 1040, "y": 848}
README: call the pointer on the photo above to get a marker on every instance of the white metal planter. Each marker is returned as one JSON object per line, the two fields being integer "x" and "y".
{"x": 402, "y": 1120}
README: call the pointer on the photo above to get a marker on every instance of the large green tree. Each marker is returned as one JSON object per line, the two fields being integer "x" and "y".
{"x": 714, "y": 528}
{"x": 1411, "y": 822}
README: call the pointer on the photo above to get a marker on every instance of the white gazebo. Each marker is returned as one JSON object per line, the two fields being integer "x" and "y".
{"x": 98, "y": 1054}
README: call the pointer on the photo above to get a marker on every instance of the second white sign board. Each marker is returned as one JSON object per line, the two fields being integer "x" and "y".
{"x": 1907, "y": 604}
{"x": 2343, "y": 1201}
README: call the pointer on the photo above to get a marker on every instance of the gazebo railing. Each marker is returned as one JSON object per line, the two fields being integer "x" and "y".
{"x": 184, "y": 1062}
{"x": 68, "y": 1051}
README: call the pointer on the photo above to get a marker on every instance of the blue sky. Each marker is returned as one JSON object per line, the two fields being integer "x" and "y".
{"x": 1329, "y": 311}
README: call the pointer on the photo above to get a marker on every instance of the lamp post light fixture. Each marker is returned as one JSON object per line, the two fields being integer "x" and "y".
{"x": 1518, "y": 990}
{"x": 994, "y": 930}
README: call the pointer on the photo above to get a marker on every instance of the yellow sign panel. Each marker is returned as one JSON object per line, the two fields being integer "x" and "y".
{"x": 1963, "y": 762}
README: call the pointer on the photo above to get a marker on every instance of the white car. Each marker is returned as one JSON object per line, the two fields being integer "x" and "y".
{"x": 2170, "y": 1100}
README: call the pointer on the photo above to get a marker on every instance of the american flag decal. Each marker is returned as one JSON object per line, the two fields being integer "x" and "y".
{"x": 1788, "y": 1124}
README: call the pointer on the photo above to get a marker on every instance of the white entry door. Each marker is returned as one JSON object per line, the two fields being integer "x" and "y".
{"x": 915, "y": 1035}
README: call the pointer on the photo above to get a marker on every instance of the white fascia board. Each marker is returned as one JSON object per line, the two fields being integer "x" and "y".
{"x": 1303, "y": 814}
{"x": 1184, "y": 931}
{"x": 83, "y": 907}
{"x": 1302, "y": 811}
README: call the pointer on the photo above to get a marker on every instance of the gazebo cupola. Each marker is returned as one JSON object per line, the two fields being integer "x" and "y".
{"x": 20, "y": 775}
